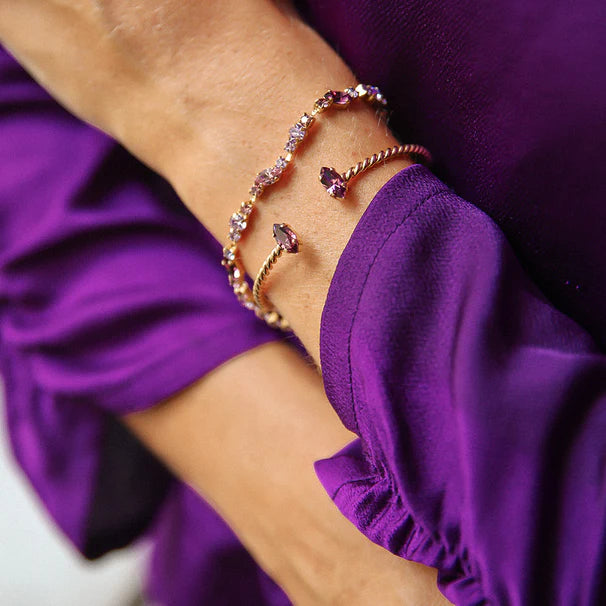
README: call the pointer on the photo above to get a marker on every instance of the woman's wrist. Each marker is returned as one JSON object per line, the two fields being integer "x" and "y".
{"x": 184, "y": 88}
{"x": 298, "y": 285}
{"x": 225, "y": 149}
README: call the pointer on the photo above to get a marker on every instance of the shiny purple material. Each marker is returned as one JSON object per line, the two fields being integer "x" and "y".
{"x": 481, "y": 409}
{"x": 111, "y": 299}
{"x": 480, "y": 406}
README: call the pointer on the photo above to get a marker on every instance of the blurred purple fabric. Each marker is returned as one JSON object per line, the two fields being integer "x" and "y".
{"x": 463, "y": 341}
{"x": 111, "y": 299}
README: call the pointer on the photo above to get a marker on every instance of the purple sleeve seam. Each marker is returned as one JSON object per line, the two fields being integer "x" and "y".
{"x": 194, "y": 359}
{"x": 417, "y": 207}
{"x": 350, "y": 482}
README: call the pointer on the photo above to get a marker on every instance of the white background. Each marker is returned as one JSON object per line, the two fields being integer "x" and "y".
{"x": 38, "y": 567}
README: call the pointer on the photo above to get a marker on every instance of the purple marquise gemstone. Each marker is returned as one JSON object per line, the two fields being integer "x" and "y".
{"x": 340, "y": 98}
{"x": 286, "y": 237}
{"x": 334, "y": 183}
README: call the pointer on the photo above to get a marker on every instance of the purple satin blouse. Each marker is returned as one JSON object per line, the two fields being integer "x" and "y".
{"x": 463, "y": 339}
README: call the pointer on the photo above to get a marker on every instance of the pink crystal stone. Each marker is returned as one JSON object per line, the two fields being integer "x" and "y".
{"x": 325, "y": 101}
{"x": 297, "y": 131}
{"x": 334, "y": 183}
{"x": 286, "y": 237}
{"x": 266, "y": 177}
{"x": 291, "y": 145}
{"x": 237, "y": 222}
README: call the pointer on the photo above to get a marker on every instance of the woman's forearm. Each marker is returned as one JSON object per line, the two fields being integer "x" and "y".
{"x": 298, "y": 284}
{"x": 205, "y": 94}
{"x": 247, "y": 135}
{"x": 246, "y": 439}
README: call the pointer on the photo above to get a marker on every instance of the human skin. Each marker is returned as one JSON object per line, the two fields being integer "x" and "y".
{"x": 248, "y": 447}
{"x": 208, "y": 107}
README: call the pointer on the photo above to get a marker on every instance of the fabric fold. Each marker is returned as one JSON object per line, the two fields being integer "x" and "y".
{"x": 112, "y": 299}
{"x": 481, "y": 409}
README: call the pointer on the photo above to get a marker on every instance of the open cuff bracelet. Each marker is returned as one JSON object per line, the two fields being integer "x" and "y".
{"x": 335, "y": 184}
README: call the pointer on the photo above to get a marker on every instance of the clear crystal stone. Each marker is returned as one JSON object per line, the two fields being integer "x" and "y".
{"x": 306, "y": 120}
{"x": 291, "y": 145}
{"x": 361, "y": 90}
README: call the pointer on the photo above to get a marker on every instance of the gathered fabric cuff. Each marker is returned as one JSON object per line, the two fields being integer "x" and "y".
{"x": 480, "y": 408}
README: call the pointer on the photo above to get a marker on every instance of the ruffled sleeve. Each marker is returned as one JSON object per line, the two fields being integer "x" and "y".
{"x": 480, "y": 408}
{"x": 112, "y": 298}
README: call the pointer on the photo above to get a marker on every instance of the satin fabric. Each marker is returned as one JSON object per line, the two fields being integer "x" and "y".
{"x": 463, "y": 337}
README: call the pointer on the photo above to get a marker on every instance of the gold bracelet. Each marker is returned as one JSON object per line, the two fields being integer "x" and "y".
{"x": 240, "y": 220}
{"x": 286, "y": 240}
{"x": 336, "y": 184}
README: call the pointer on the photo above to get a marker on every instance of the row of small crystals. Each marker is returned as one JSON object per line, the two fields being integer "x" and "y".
{"x": 240, "y": 219}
